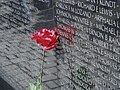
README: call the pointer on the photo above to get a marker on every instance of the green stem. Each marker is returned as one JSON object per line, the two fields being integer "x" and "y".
{"x": 39, "y": 80}
{"x": 42, "y": 67}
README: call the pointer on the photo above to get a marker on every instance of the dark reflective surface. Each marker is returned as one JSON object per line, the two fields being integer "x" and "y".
{"x": 92, "y": 62}
{"x": 4, "y": 85}
{"x": 42, "y": 4}
{"x": 96, "y": 45}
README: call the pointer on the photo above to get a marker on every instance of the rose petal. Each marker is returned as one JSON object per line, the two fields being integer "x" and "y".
{"x": 50, "y": 47}
{"x": 53, "y": 40}
{"x": 43, "y": 41}
{"x": 33, "y": 36}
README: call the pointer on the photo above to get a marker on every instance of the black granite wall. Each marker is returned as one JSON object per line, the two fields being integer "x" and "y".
{"x": 88, "y": 52}
{"x": 93, "y": 59}
{"x": 20, "y": 57}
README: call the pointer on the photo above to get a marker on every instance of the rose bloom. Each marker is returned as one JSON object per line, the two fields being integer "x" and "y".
{"x": 47, "y": 38}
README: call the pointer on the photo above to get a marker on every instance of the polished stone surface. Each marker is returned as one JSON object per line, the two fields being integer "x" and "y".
{"x": 4, "y": 85}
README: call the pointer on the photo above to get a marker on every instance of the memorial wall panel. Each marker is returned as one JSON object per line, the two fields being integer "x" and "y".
{"x": 92, "y": 45}
{"x": 20, "y": 57}
{"x": 16, "y": 13}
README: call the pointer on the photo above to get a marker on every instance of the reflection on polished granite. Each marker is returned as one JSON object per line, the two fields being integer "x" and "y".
{"x": 4, "y": 85}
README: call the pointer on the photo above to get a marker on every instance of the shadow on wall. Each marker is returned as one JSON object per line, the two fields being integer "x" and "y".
{"x": 4, "y": 85}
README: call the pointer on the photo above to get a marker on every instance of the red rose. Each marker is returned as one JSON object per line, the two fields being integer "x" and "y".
{"x": 47, "y": 38}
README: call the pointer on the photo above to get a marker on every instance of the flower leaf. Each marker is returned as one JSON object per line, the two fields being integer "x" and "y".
{"x": 39, "y": 85}
{"x": 32, "y": 86}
